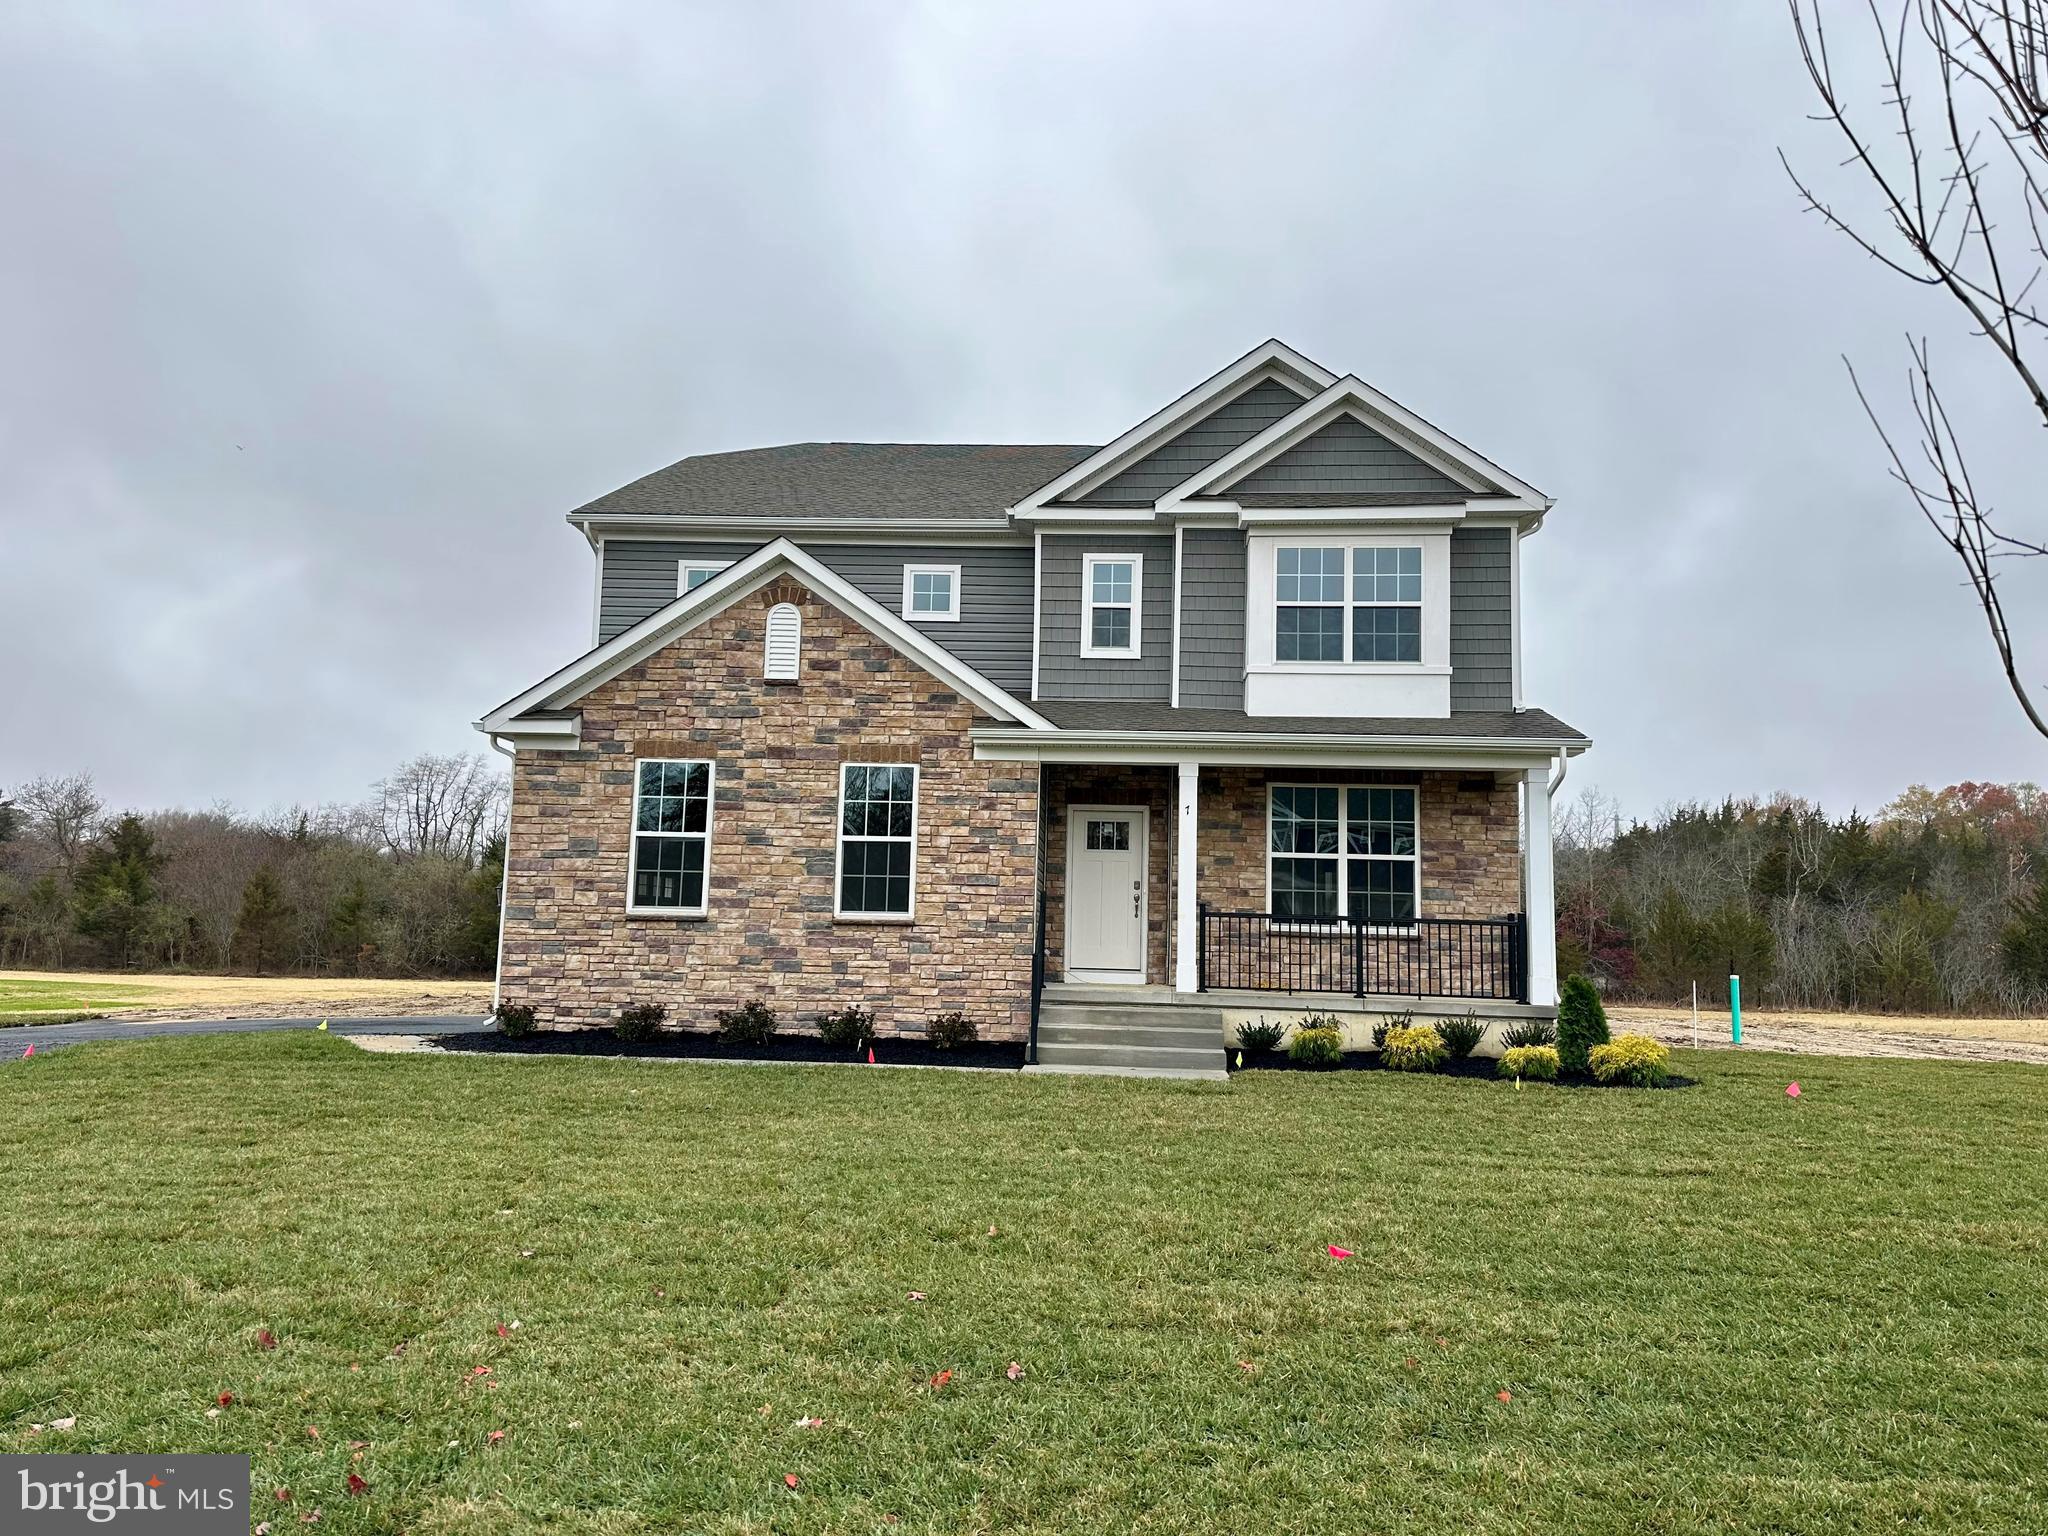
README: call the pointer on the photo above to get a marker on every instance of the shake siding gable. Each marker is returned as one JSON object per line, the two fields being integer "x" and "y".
{"x": 1229, "y": 426}
{"x": 1345, "y": 456}
{"x": 1063, "y": 672}
{"x": 1482, "y": 619}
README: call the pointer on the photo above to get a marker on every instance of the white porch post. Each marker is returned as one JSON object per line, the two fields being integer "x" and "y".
{"x": 1539, "y": 894}
{"x": 1186, "y": 976}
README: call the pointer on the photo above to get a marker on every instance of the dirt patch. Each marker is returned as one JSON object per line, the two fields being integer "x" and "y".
{"x": 1826, "y": 1034}
{"x": 160, "y": 998}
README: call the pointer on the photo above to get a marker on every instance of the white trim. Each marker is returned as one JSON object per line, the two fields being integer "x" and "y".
{"x": 1076, "y": 815}
{"x": 839, "y": 846}
{"x": 1349, "y": 602}
{"x": 1173, "y": 688}
{"x": 596, "y": 596}
{"x": 816, "y": 530}
{"x": 1539, "y": 894}
{"x": 782, "y": 645}
{"x": 634, "y": 834}
{"x": 710, "y": 568}
{"x": 951, "y": 573}
{"x": 1088, "y": 606}
{"x": 1037, "y": 596}
{"x": 1423, "y": 513}
{"x": 505, "y": 873}
{"x": 599, "y": 666}
{"x": 1515, "y": 619}
{"x": 1343, "y": 854}
{"x": 1187, "y": 925}
{"x": 1170, "y": 420}
{"x": 1231, "y": 749}
{"x": 1351, "y": 395}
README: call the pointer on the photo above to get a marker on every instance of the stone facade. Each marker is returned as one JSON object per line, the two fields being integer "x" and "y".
{"x": 571, "y": 949}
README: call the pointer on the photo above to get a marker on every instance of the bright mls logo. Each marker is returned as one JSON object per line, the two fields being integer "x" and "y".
{"x": 163, "y": 1495}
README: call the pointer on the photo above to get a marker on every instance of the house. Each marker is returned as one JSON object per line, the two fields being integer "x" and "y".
{"x": 1223, "y": 717}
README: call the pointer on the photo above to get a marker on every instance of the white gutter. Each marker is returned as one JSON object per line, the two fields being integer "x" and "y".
{"x": 1195, "y": 740}
{"x": 954, "y": 529}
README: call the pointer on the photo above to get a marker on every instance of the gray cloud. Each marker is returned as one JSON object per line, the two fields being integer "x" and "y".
{"x": 315, "y": 324}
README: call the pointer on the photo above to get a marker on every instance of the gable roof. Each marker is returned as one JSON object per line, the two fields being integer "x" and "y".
{"x": 1236, "y": 421}
{"x": 861, "y": 481}
{"x": 552, "y": 695}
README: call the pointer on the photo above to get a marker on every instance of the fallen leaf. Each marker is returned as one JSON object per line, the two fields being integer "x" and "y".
{"x": 527, "y": 1253}
{"x": 940, "y": 1380}
{"x": 1246, "y": 1366}
{"x": 211, "y": 1413}
{"x": 575, "y": 1423}
{"x": 262, "y": 1528}
{"x": 359, "y": 1445}
{"x": 809, "y": 1423}
{"x": 480, "y": 1370}
{"x": 398, "y": 1349}
{"x": 507, "y": 1211}
{"x": 312, "y": 1518}
{"x": 765, "y": 1410}
{"x": 1339, "y": 1253}
{"x": 64, "y": 1423}
{"x": 356, "y": 1486}
{"x": 35, "y": 1429}
{"x": 504, "y": 1332}
{"x": 1015, "y": 1372}
{"x": 355, "y": 1365}
{"x": 495, "y": 1436}
{"x": 358, "y": 1456}
{"x": 1411, "y": 1362}
{"x": 991, "y": 1229}
{"x": 226, "y": 1399}
{"x": 265, "y": 1339}
{"x": 889, "y": 1520}
{"x": 916, "y": 1295}
{"x": 1505, "y": 1395}
{"x": 789, "y": 1479}
{"x": 284, "y": 1495}
{"x": 312, "y": 1431}
{"x": 515, "y": 1325}
{"x": 1442, "y": 1342}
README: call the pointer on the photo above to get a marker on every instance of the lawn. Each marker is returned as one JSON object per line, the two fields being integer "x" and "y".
{"x": 37, "y": 997}
{"x": 26, "y": 999}
{"x": 1714, "y": 1309}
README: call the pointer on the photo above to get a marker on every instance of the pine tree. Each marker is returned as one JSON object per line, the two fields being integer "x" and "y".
{"x": 116, "y": 887}
{"x": 2024, "y": 944}
{"x": 1581, "y": 1024}
{"x": 263, "y": 930}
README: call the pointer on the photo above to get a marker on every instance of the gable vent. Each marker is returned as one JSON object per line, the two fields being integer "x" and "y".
{"x": 785, "y": 642}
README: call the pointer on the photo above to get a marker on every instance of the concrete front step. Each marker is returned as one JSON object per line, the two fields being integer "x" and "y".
{"x": 1185, "y": 1074}
{"x": 1058, "y": 1054}
{"x": 1126, "y": 1037}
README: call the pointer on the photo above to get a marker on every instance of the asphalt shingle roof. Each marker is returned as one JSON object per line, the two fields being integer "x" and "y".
{"x": 845, "y": 480}
{"x": 1099, "y": 715}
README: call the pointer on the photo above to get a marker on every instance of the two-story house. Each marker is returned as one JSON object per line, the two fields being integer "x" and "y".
{"x": 1229, "y": 707}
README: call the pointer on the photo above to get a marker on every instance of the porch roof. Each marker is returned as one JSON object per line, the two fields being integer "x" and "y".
{"x": 1520, "y": 727}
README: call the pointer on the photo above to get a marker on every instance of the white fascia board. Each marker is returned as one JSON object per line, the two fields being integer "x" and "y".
{"x": 1162, "y": 424}
{"x": 1284, "y": 517}
{"x": 537, "y": 735}
{"x": 1352, "y": 394}
{"x": 1086, "y": 517}
{"x": 605, "y": 662}
{"x": 815, "y": 530}
{"x": 1236, "y": 749}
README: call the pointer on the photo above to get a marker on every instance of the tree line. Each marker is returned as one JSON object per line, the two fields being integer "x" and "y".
{"x": 404, "y": 883}
{"x": 1937, "y": 903}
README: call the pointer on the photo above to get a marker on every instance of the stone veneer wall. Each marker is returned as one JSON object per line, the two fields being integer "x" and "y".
{"x": 1068, "y": 784}
{"x": 572, "y": 950}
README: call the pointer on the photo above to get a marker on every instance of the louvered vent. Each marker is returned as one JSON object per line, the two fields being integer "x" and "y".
{"x": 785, "y": 641}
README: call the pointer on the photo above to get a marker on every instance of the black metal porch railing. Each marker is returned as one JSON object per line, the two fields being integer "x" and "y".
{"x": 1431, "y": 957}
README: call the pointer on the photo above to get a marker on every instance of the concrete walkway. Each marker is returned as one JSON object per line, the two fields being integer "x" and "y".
{"x": 15, "y": 1042}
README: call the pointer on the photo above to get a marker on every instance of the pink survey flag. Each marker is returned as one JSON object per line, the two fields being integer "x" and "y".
{"x": 1792, "y": 1092}
{"x": 871, "y": 1055}
{"x": 30, "y": 1051}
{"x": 1339, "y": 1253}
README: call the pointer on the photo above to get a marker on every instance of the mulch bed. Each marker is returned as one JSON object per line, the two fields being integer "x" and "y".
{"x": 1484, "y": 1067}
{"x": 691, "y": 1045}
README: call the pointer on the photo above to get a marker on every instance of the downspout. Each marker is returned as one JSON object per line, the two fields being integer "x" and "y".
{"x": 504, "y": 874}
{"x": 1564, "y": 766}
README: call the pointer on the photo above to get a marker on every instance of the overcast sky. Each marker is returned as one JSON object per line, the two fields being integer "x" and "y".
{"x": 313, "y": 326}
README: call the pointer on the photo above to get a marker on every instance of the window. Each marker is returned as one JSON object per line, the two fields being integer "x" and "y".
{"x": 1111, "y": 602}
{"x": 1380, "y": 610}
{"x": 877, "y": 839}
{"x": 1338, "y": 852}
{"x": 671, "y": 837}
{"x": 1109, "y": 836}
{"x": 692, "y": 574}
{"x": 931, "y": 592}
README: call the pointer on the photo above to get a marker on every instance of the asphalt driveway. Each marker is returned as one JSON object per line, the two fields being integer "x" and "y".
{"x": 14, "y": 1043}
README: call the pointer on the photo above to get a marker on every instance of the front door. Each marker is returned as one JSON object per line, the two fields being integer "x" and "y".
{"x": 1106, "y": 895}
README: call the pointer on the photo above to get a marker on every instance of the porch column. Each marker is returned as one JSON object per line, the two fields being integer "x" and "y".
{"x": 1186, "y": 976}
{"x": 1539, "y": 896}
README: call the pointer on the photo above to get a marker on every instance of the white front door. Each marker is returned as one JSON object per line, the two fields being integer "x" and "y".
{"x": 1106, "y": 896}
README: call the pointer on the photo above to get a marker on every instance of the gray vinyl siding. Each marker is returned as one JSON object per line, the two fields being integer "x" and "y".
{"x": 1063, "y": 672}
{"x": 1227, "y": 427}
{"x": 992, "y": 634}
{"x": 1482, "y": 619}
{"x": 1212, "y": 595}
{"x": 1345, "y": 456}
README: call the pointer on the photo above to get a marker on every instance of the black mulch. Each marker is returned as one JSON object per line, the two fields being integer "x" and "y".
{"x": 1369, "y": 1061}
{"x": 701, "y": 1046}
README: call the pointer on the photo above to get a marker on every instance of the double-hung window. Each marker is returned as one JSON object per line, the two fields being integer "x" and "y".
{"x": 1111, "y": 604}
{"x": 931, "y": 592}
{"x": 692, "y": 574}
{"x": 1343, "y": 851}
{"x": 877, "y": 839}
{"x": 671, "y": 855}
{"x": 1333, "y": 603}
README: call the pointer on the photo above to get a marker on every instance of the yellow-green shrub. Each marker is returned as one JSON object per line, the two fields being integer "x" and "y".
{"x": 1538, "y": 1063}
{"x": 1419, "y": 1048}
{"x": 1316, "y": 1047}
{"x": 1636, "y": 1060}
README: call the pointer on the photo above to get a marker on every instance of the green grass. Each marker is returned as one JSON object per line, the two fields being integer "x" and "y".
{"x": 27, "y": 1002}
{"x": 1715, "y": 1309}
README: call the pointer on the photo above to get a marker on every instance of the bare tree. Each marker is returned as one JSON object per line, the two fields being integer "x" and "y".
{"x": 65, "y": 811}
{"x": 445, "y": 805}
{"x": 1963, "y": 210}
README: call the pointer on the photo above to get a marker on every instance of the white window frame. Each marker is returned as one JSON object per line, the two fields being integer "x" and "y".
{"x": 910, "y": 575}
{"x": 1089, "y": 605}
{"x": 634, "y": 834}
{"x": 1351, "y": 603}
{"x": 710, "y": 568}
{"x": 1342, "y": 605}
{"x": 839, "y": 841}
{"x": 1341, "y": 858}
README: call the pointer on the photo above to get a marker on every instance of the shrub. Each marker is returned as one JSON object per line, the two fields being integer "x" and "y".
{"x": 847, "y": 1029}
{"x": 1387, "y": 1026}
{"x": 640, "y": 1022}
{"x": 1461, "y": 1036}
{"x": 1316, "y": 1046}
{"x": 1635, "y": 1061}
{"x": 1261, "y": 1037}
{"x": 752, "y": 1023}
{"x": 515, "y": 1020}
{"x": 1538, "y": 1063}
{"x": 950, "y": 1031}
{"x": 1418, "y": 1048}
{"x": 1581, "y": 1024}
{"x": 1529, "y": 1032}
